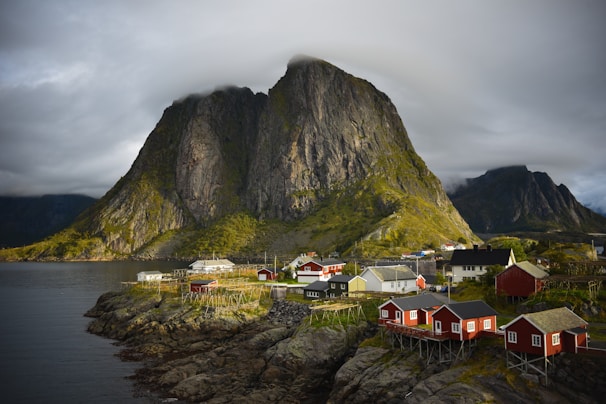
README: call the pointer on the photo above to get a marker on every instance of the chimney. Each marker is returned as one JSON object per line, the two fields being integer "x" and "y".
{"x": 475, "y": 248}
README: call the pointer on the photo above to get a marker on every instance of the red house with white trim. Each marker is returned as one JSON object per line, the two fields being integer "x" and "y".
{"x": 410, "y": 311}
{"x": 464, "y": 320}
{"x": 319, "y": 270}
{"x": 546, "y": 333}
{"x": 520, "y": 280}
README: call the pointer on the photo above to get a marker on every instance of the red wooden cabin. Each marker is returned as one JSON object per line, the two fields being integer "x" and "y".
{"x": 266, "y": 274}
{"x": 546, "y": 333}
{"x": 411, "y": 311}
{"x": 203, "y": 285}
{"x": 465, "y": 320}
{"x": 521, "y": 279}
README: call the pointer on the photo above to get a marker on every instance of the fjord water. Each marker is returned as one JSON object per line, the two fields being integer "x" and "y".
{"x": 46, "y": 355}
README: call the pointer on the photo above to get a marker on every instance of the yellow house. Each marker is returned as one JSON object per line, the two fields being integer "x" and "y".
{"x": 343, "y": 285}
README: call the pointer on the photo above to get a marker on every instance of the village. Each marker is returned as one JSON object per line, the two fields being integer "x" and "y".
{"x": 413, "y": 301}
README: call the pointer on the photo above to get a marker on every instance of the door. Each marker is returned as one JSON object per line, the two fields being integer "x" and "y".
{"x": 399, "y": 317}
{"x": 438, "y": 325}
{"x": 262, "y": 277}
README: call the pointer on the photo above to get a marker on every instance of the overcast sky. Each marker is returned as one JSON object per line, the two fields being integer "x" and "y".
{"x": 478, "y": 84}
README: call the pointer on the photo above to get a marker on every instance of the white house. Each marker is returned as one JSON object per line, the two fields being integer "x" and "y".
{"x": 395, "y": 279}
{"x": 472, "y": 264}
{"x": 208, "y": 266}
{"x": 149, "y": 276}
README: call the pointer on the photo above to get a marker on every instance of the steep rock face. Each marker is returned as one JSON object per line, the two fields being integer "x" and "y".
{"x": 213, "y": 158}
{"x": 515, "y": 199}
{"x": 278, "y": 156}
{"x": 322, "y": 129}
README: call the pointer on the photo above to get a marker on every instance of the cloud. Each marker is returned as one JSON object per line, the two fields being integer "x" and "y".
{"x": 478, "y": 85}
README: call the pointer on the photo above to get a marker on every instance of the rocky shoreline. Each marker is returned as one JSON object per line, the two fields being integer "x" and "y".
{"x": 273, "y": 356}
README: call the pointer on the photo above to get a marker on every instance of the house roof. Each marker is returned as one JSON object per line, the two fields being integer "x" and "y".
{"x": 415, "y": 302}
{"x": 471, "y": 309}
{"x": 430, "y": 279}
{"x": 496, "y": 256}
{"x": 341, "y": 278}
{"x": 212, "y": 263}
{"x": 392, "y": 273}
{"x": 531, "y": 269}
{"x": 552, "y": 320}
{"x": 203, "y": 281}
{"x": 320, "y": 286}
{"x": 327, "y": 261}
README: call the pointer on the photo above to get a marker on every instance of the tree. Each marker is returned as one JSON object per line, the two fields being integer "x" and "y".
{"x": 491, "y": 272}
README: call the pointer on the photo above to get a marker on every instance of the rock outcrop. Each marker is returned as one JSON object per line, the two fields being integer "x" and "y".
{"x": 272, "y": 357}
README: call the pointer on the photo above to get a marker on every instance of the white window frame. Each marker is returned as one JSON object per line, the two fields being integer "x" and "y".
{"x": 487, "y": 324}
{"x": 384, "y": 313}
{"x": 471, "y": 326}
{"x": 555, "y": 339}
{"x": 512, "y": 337}
{"x": 332, "y": 285}
{"x": 536, "y": 340}
{"x": 455, "y": 328}
{"x": 343, "y": 286}
{"x": 413, "y": 314}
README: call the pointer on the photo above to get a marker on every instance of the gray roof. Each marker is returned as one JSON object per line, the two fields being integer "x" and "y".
{"x": 203, "y": 281}
{"x": 416, "y": 302}
{"x": 553, "y": 320}
{"x": 341, "y": 278}
{"x": 496, "y": 256}
{"x": 531, "y": 269}
{"x": 320, "y": 286}
{"x": 471, "y": 309}
{"x": 393, "y": 273}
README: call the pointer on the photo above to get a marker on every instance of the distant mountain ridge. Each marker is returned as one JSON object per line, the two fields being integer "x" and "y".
{"x": 322, "y": 162}
{"x": 511, "y": 199}
{"x": 24, "y": 220}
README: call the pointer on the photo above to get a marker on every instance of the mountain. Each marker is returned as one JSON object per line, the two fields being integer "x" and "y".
{"x": 322, "y": 162}
{"x": 24, "y": 220}
{"x": 511, "y": 199}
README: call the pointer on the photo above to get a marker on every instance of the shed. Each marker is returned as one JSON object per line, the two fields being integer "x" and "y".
{"x": 464, "y": 321}
{"x": 520, "y": 280}
{"x": 266, "y": 274}
{"x": 203, "y": 285}
{"x": 149, "y": 276}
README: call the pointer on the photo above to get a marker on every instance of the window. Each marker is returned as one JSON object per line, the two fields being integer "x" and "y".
{"x": 307, "y": 268}
{"x": 392, "y": 285}
{"x": 455, "y": 327}
{"x": 413, "y": 314}
{"x": 487, "y": 324}
{"x": 343, "y": 286}
{"x": 384, "y": 314}
{"x": 332, "y": 285}
{"x": 555, "y": 339}
{"x": 471, "y": 326}
{"x": 512, "y": 337}
{"x": 536, "y": 340}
